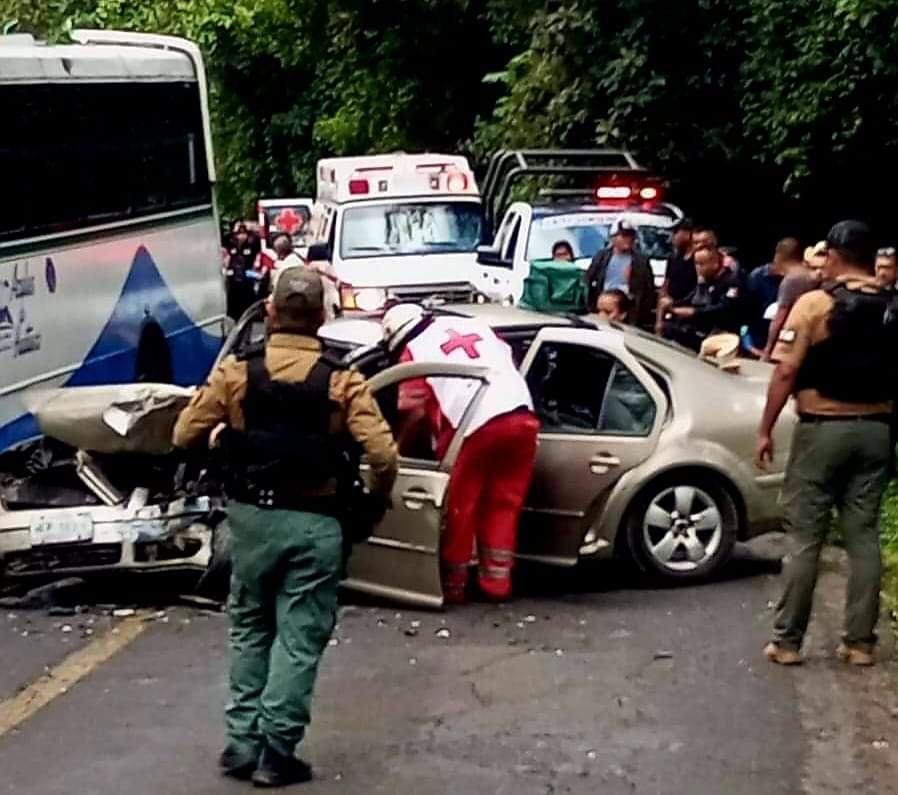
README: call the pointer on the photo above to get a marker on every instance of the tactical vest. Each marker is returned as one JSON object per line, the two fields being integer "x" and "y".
{"x": 858, "y": 361}
{"x": 287, "y": 447}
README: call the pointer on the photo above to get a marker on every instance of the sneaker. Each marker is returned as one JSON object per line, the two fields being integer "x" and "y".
{"x": 238, "y": 762}
{"x": 854, "y": 655}
{"x": 781, "y": 655}
{"x": 277, "y": 770}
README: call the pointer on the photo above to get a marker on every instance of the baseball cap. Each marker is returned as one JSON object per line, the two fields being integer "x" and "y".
{"x": 623, "y": 227}
{"x": 854, "y": 238}
{"x": 297, "y": 290}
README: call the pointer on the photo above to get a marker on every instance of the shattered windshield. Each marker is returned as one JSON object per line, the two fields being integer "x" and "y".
{"x": 413, "y": 228}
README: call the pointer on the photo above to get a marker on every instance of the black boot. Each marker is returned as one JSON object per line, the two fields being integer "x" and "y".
{"x": 277, "y": 770}
{"x": 238, "y": 762}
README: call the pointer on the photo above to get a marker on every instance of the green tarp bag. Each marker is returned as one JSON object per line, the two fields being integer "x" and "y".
{"x": 554, "y": 286}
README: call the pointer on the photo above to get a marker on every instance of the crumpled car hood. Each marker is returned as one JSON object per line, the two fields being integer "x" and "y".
{"x": 124, "y": 418}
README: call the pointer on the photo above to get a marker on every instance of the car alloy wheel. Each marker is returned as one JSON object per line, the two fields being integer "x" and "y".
{"x": 683, "y": 527}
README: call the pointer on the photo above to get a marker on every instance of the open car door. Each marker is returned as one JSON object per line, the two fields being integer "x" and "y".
{"x": 601, "y": 414}
{"x": 401, "y": 560}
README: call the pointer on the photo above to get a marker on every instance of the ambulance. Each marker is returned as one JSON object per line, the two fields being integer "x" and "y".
{"x": 397, "y": 227}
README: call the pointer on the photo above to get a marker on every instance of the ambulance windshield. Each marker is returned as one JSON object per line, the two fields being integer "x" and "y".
{"x": 413, "y": 228}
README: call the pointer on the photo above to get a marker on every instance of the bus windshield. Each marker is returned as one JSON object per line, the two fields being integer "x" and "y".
{"x": 412, "y": 228}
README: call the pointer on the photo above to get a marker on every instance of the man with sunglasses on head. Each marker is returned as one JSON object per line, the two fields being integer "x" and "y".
{"x": 836, "y": 355}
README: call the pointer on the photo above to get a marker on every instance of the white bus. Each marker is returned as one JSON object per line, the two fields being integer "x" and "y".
{"x": 110, "y": 266}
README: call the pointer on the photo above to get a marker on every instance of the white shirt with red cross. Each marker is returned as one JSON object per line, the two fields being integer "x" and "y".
{"x": 465, "y": 340}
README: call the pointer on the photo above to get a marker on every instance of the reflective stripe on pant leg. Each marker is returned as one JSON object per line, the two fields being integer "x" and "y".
{"x": 463, "y": 500}
{"x": 511, "y": 456}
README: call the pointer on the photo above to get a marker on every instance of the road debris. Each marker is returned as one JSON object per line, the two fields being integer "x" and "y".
{"x": 620, "y": 634}
{"x": 411, "y": 632}
{"x": 591, "y": 755}
{"x": 43, "y": 596}
{"x": 333, "y": 642}
{"x": 123, "y": 612}
{"x": 66, "y": 628}
{"x": 415, "y": 624}
{"x": 663, "y": 655}
{"x": 881, "y": 745}
{"x": 529, "y": 619}
{"x": 443, "y": 633}
{"x": 412, "y": 660}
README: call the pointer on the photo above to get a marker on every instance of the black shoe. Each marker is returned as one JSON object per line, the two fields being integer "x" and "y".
{"x": 277, "y": 770}
{"x": 238, "y": 762}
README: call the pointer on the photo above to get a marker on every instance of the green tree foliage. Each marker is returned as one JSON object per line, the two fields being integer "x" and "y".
{"x": 751, "y": 101}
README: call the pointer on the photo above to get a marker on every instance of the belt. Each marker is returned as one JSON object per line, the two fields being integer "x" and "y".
{"x": 816, "y": 418}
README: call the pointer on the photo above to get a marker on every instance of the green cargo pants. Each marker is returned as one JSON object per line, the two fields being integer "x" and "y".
{"x": 282, "y": 607}
{"x": 843, "y": 464}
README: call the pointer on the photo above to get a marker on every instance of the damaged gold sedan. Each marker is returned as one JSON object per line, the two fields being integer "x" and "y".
{"x": 644, "y": 450}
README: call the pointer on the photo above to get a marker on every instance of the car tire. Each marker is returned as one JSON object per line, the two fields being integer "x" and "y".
{"x": 682, "y": 527}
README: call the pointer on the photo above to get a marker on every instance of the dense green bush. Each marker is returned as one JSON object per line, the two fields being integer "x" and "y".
{"x": 768, "y": 116}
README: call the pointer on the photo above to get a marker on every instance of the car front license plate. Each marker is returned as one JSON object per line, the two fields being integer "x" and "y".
{"x": 63, "y": 529}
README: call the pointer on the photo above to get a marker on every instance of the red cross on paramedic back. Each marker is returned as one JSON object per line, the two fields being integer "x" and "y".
{"x": 467, "y": 341}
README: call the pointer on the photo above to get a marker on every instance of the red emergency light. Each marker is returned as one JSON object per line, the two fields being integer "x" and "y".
{"x": 358, "y": 187}
{"x": 628, "y": 190}
{"x": 457, "y": 182}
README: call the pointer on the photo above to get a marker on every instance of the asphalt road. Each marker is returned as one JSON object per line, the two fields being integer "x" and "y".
{"x": 588, "y": 683}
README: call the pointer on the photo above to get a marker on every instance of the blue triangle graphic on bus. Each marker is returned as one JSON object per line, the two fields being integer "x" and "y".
{"x": 146, "y": 299}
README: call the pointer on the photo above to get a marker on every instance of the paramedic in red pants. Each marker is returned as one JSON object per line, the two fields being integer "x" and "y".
{"x": 492, "y": 473}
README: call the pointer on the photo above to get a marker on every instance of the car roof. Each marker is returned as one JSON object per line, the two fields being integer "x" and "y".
{"x": 502, "y": 316}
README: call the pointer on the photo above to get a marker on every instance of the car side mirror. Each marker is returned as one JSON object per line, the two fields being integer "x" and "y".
{"x": 487, "y": 255}
{"x": 319, "y": 252}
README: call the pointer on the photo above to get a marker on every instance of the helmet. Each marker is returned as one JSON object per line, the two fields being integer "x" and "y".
{"x": 399, "y": 322}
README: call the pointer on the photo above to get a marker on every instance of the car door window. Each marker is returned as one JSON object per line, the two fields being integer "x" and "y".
{"x": 410, "y": 408}
{"x": 628, "y": 409}
{"x": 582, "y": 390}
{"x": 511, "y": 245}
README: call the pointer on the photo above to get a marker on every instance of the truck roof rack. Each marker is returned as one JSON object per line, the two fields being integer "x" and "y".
{"x": 507, "y": 166}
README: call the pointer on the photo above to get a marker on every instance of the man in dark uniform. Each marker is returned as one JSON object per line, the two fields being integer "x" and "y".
{"x": 836, "y": 354}
{"x": 282, "y": 418}
{"x": 242, "y": 253}
{"x": 714, "y": 305}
